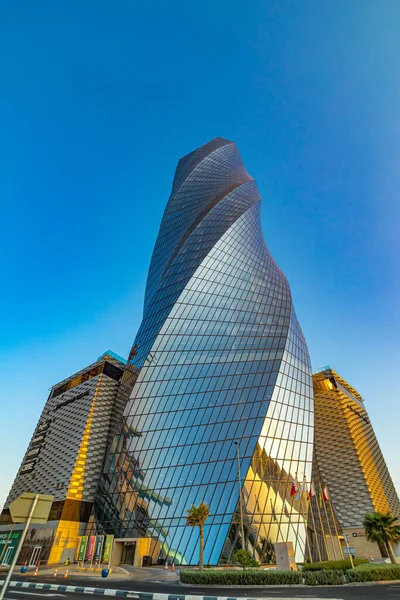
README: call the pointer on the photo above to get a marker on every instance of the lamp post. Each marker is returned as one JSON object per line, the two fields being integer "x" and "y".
{"x": 240, "y": 497}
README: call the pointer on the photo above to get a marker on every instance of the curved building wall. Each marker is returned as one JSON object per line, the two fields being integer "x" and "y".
{"x": 222, "y": 359}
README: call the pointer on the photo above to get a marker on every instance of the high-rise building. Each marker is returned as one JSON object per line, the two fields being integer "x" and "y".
{"x": 349, "y": 458}
{"x": 222, "y": 360}
{"x": 65, "y": 458}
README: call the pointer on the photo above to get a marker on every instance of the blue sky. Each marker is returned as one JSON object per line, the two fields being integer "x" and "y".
{"x": 98, "y": 100}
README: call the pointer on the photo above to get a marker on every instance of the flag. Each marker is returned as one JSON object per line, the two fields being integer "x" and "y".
{"x": 293, "y": 491}
{"x": 300, "y": 492}
{"x": 320, "y": 497}
{"x": 325, "y": 494}
{"x": 311, "y": 493}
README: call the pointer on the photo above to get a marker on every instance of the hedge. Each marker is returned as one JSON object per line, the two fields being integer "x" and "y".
{"x": 376, "y": 565}
{"x": 333, "y": 565}
{"x": 389, "y": 573}
{"x": 324, "y": 577}
{"x": 251, "y": 577}
{"x": 274, "y": 577}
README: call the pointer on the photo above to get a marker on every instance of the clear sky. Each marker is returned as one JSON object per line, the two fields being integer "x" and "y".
{"x": 99, "y": 99}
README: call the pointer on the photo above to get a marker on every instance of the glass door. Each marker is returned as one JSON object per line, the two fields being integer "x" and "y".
{"x": 35, "y": 556}
{"x": 7, "y": 556}
{"x": 128, "y": 553}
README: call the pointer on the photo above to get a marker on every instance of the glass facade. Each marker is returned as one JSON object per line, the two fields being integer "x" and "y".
{"x": 222, "y": 358}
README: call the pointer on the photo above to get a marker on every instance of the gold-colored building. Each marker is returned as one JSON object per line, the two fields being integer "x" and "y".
{"x": 349, "y": 459}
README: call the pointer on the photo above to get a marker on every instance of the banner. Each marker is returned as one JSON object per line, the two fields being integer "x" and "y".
{"x": 82, "y": 547}
{"x": 90, "y": 548}
{"x": 98, "y": 548}
{"x": 107, "y": 548}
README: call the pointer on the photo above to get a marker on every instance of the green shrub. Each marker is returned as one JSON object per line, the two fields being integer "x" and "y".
{"x": 333, "y": 565}
{"x": 230, "y": 577}
{"x": 389, "y": 573}
{"x": 324, "y": 577}
{"x": 374, "y": 565}
{"x": 243, "y": 558}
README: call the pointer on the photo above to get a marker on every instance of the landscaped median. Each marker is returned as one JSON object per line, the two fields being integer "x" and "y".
{"x": 334, "y": 565}
{"x": 374, "y": 573}
{"x": 362, "y": 573}
{"x": 243, "y": 577}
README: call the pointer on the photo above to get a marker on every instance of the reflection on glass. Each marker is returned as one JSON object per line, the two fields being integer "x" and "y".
{"x": 221, "y": 357}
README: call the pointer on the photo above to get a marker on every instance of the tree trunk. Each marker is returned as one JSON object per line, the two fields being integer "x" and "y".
{"x": 201, "y": 547}
{"x": 391, "y": 553}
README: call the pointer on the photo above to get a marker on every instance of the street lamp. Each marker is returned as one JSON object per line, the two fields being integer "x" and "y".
{"x": 240, "y": 496}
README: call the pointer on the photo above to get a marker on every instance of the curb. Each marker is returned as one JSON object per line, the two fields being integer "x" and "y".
{"x": 151, "y": 596}
{"x": 121, "y": 593}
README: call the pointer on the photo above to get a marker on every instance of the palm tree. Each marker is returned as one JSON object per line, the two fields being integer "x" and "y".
{"x": 382, "y": 528}
{"x": 196, "y": 518}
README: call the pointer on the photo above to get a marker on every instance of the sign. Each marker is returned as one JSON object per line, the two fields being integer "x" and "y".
{"x": 70, "y": 400}
{"x": 21, "y": 507}
{"x": 354, "y": 534}
{"x": 8, "y": 546}
{"x": 98, "y": 548}
{"x": 27, "y": 467}
{"x": 90, "y": 548}
{"x": 34, "y": 452}
{"x": 43, "y": 426}
{"x": 107, "y": 548}
{"x": 38, "y": 439}
{"x": 82, "y": 547}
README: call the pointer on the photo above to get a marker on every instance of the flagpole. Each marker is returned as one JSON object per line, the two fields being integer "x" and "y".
{"x": 321, "y": 521}
{"x": 335, "y": 525}
{"x": 293, "y": 492}
{"x": 306, "y": 523}
{"x": 329, "y": 526}
{"x": 315, "y": 529}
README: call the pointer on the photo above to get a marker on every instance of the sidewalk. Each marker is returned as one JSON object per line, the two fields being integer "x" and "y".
{"x": 145, "y": 574}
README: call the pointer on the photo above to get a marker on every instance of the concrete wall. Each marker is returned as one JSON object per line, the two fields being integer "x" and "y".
{"x": 362, "y": 547}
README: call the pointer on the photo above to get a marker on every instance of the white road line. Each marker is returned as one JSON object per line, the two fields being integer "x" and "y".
{"x": 36, "y": 594}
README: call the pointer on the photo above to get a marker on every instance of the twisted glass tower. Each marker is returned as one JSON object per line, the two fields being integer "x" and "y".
{"x": 222, "y": 358}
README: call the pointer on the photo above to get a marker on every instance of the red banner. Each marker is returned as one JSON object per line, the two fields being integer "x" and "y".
{"x": 90, "y": 547}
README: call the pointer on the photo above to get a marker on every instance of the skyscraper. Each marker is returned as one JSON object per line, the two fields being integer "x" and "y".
{"x": 349, "y": 458}
{"x": 65, "y": 459}
{"x": 222, "y": 359}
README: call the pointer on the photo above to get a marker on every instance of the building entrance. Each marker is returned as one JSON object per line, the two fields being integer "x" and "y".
{"x": 35, "y": 556}
{"x": 128, "y": 553}
{"x": 7, "y": 556}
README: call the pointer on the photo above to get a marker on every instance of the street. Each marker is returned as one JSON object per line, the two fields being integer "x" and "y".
{"x": 176, "y": 591}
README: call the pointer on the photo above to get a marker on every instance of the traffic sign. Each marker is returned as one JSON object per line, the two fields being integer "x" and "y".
{"x": 21, "y": 507}
{"x": 28, "y": 508}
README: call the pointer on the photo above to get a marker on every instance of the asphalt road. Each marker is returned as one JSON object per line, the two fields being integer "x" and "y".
{"x": 364, "y": 592}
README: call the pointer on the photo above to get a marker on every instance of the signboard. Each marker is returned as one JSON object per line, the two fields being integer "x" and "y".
{"x": 8, "y": 546}
{"x": 38, "y": 439}
{"x": 21, "y": 507}
{"x": 28, "y": 467}
{"x": 107, "y": 548}
{"x": 43, "y": 426}
{"x": 98, "y": 548}
{"x": 34, "y": 452}
{"x": 82, "y": 547}
{"x": 90, "y": 547}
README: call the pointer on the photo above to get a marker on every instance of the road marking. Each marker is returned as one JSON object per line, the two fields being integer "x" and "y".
{"x": 35, "y": 594}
